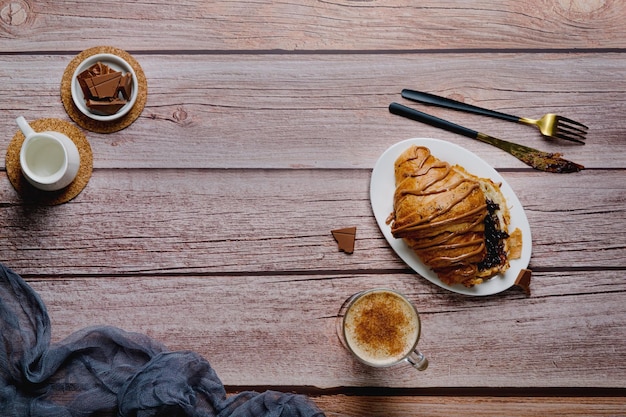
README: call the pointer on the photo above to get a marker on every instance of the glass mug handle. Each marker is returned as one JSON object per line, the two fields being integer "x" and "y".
{"x": 418, "y": 360}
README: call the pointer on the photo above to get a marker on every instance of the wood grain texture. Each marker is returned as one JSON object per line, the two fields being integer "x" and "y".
{"x": 319, "y": 111}
{"x": 256, "y": 329}
{"x": 134, "y": 233}
{"x": 206, "y": 223}
{"x": 212, "y": 221}
{"x": 301, "y": 25}
{"x": 340, "y": 406}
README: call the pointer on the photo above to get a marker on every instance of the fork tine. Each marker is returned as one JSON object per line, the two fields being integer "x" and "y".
{"x": 567, "y": 130}
{"x": 572, "y": 122}
{"x": 570, "y": 128}
{"x": 565, "y": 126}
{"x": 577, "y": 139}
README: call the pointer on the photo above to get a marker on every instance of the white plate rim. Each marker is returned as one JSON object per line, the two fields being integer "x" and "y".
{"x": 382, "y": 188}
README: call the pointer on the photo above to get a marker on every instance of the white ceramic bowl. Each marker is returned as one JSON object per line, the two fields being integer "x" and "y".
{"x": 114, "y": 62}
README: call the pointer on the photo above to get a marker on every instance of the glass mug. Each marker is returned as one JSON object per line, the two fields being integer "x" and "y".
{"x": 381, "y": 328}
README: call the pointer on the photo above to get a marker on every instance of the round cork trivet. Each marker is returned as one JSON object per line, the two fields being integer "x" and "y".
{"x": 97, "y": 125}
{"x": 34, "y": 195}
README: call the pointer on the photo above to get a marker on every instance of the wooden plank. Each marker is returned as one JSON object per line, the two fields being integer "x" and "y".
{"x": 216, "y": 221}
{"x": 331, "y": 111}
{"x": 207, "y": 223}
{"x": 432, "y": 406}
{"x": 298, "y": 25}
{"x": 279, "y": 330}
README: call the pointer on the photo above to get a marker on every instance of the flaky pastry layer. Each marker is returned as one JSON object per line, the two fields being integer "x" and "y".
{"x": 456, "y": 222}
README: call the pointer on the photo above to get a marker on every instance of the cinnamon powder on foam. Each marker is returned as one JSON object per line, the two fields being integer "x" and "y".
{"x": 385, "y": 327}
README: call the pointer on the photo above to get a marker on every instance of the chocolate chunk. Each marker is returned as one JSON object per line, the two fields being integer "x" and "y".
{"x": 83, "y": 86}
{"x": 345, "y": 238}
{"x": 84, "y": 76}
{"x": 106, "y": 90}
{"x": 104, "y": 86}
{"x": 126, "y": 85}
{"x": 106, "y": 107}
{"x": 523, "y": 280}
{"x": 94, "y": 70}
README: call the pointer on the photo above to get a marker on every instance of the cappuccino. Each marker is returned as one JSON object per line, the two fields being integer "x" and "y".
{"x": 381, "y": 327}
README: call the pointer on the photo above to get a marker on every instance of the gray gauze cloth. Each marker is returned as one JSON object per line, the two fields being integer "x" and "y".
{"x": 106, "y": 371}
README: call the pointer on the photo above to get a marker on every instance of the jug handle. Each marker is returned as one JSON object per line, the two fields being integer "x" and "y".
{"x": 24, "y": 126}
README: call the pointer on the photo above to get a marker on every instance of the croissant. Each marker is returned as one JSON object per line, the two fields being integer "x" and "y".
{"x": 456, "y": 223}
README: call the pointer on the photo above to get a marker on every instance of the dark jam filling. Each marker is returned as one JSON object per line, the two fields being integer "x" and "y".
{"x": 494, "y": 239}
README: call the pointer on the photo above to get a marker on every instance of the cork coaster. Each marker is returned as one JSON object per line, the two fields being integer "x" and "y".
{"x": 34, "y": 195}
{"x": 96, "y": 125}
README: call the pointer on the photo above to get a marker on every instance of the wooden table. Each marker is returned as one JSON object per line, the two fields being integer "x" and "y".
{"x": 206, "y": 223}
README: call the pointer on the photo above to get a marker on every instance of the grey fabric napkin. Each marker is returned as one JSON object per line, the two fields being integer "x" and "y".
{"x": 106, "y": 371}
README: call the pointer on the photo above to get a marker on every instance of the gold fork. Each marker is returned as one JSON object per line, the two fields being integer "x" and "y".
{"x": 543, "y": 161}
{"x": 550, "y": 125}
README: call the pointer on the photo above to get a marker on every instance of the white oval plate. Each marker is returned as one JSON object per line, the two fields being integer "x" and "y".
{"x": 382, "y": 188}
